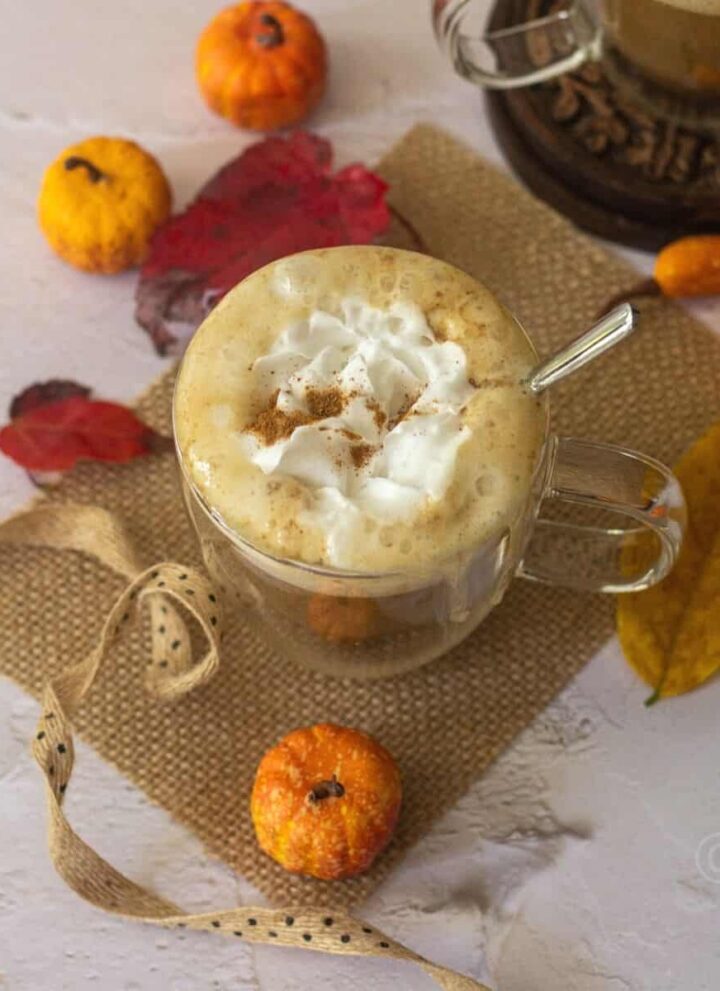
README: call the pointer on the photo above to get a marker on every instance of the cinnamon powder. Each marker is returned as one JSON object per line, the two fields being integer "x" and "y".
{"x": 273, "y": 424}
{"x": 361, "y": 454}
{"x": 402, "y": 412}
{"x": 378, "y": 415}
{"x": 322, "y": 403}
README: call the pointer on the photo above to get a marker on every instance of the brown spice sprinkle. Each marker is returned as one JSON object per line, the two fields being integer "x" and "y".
{"x": 273, "y": 424}
{"x": 402, "y": 412}
{"x": 361, "y": 454}
{"x": 322, "y": 403}
{"x": 380, "y": 418}
{"x": 493, "y": 382}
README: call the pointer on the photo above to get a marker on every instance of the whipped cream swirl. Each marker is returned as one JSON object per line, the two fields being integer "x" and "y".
{"x": 394, "y": 394}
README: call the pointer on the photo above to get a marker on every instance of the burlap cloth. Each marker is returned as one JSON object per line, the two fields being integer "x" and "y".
{"x": 444, "y": 723}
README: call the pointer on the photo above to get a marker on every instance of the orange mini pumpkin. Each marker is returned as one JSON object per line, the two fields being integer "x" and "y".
{"x": 100, "y": 203}
{"x": 261, "y": 64}
{"x": 325, "y": 801}
{"x": 342, "y": 620}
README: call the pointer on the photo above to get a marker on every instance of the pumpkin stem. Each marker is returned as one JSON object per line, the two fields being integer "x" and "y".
{"x": 274, "y": 36}
{"x": 326, "y": 789}
{"x": 75, "y": 162}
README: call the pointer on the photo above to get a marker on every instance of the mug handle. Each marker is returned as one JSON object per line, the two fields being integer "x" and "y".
{"x": 594, "y": 558}
{"x": 525, "y": 53}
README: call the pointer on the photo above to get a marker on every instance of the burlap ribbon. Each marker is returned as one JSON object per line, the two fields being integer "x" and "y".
{"x": 168, "y": 589}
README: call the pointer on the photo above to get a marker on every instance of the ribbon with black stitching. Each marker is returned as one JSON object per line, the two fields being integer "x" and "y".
{"x": 168, "y": 590}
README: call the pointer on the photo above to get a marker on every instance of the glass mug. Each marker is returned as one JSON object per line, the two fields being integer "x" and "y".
{"x": 666, "y": 53}
{"x": 402, "y": 619}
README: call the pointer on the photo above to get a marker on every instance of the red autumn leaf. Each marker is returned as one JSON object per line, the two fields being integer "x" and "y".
{"x": 55, "y": 424}
{"x": 278, "y": 197}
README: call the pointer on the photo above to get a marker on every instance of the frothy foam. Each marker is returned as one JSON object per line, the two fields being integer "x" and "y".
{"x": 396, "y": 394}
{"x": 362, "y": 408}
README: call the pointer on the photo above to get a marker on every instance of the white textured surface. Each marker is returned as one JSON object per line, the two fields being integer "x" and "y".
{"x": 572, "y": 864}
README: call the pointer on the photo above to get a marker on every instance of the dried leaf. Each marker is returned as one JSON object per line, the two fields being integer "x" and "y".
{"x": 42, "y": 393}
{"x": 56, "y": 424}
{"x": 671, "y": 633}
{"x": 277, "y": 198}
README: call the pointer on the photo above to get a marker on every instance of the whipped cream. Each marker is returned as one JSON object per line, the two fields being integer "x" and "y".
{"x": 395, "y": 394}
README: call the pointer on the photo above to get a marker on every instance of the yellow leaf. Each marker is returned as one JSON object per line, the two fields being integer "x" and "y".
{"x": 671, "y": 633}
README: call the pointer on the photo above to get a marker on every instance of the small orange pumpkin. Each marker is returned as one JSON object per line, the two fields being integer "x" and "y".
{"x": 342, "y": 620}
{"x": 100, "y": 203}
{"x": 325, "y": 801}
{"x": 689, "y": 266}
{"x": 261, "y": 64}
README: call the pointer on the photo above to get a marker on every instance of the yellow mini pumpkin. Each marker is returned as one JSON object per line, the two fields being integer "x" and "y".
{"x": 261, "y": 64}
{"x": 100, "y": 203}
